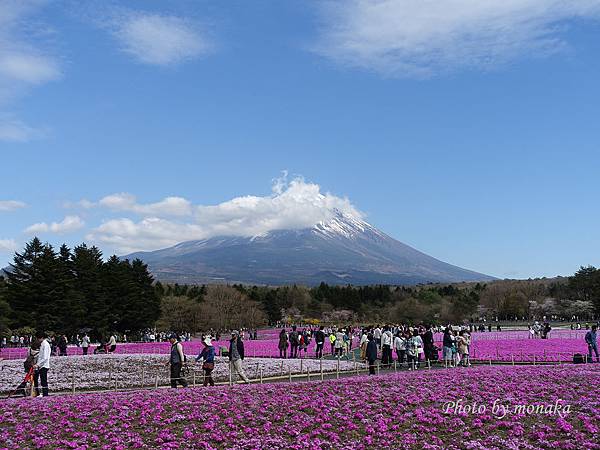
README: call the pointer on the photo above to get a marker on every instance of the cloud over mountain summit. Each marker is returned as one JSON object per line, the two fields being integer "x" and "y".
{"x": 294, "y": 204}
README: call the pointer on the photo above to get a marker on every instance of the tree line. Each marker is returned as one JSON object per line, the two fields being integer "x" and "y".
{"x": 74, "y": 291}
{"x": 560, "y": 298}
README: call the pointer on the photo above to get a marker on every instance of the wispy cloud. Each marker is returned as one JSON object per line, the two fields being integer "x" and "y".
{"x": 170, "y": 206}
{"x": 24, "y": 62}
{"x": 158, "y": 39}
{"x": 294, "y": 204}
{"x": 8, "y": 245}
{"x": 11, "y": 205}
{"x": 16, "y": 131}
{"x": 67, "y": 225}
{"x": 425, "y": 37}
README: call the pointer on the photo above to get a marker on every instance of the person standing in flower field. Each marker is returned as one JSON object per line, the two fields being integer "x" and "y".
{"x": 400, "y": 347}
{"x": 42, "y": 366}
{"x": 462, "y": 343}
{"x": 447, "y": 344}
{"x": 236, "y": 356}
{"x": 283, "y": 344}
{"x": 320, "y": 340}
{"x": 176, "y": 360}
{"x": 28, "y": 365}
{"x": 371, "y": 353}
{"x": 294, "y": 342}
{"x": 339, "y": 343}
{"x": 332, "y": 342}
{"x": 428, "y": 343}
{"x": 387, "y": 339}
{"x": 362, "y": 344}
{"x": 414, "y": 350}
{"x": 208, "y": 357}
{"x": 377, "y": 335}
{"x": 85, "y": 343}
{"x": 592, "y": 343}
{"x": 112, "y": 344}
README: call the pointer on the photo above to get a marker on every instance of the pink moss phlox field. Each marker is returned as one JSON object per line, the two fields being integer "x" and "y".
{"x": 497, "y": 346}
{"x": 404, "y": 410}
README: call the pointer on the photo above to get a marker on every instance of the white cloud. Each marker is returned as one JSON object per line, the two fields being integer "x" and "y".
{"x": 8, "y": 245}
{"x": 11, "y": 205}
{"x": 83, "y": 203}
{"x": 17, "y": 131}
{"x": 24, "y": 61}
{"x": 292, "y": 205}
{"x": 170, "y": 206}
{"x": 159, "y": 39}
{"x": 68, "y": 225}
{"x": 127, "y": 236}
{"x": 28, "y": 68}
{"x": 427, "y": 37}
{"x": 21, "y": 58}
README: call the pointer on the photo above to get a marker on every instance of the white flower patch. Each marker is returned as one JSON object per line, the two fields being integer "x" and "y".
{"x": 131, "y": 371}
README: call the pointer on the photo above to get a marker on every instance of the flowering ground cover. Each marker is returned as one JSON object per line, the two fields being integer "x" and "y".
{"x": 130, "y": 371}
{"x": 497, "y": 346}
{"x": 423, "y": 409}
{"x": 552, "y": 350}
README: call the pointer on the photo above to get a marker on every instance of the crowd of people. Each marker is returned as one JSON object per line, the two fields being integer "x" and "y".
{"x": 177, "y": 359}
{"x": 400, "y": 345}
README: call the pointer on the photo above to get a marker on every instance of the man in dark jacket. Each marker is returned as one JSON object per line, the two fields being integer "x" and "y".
{"x": 294, "y": 342}
{"x": 176, "y": 360}
{"x": 371, "y": 354}
{"x": 236, "y": 356}
{"x": 428, "y": 343}
{"x": 320, "y": 340}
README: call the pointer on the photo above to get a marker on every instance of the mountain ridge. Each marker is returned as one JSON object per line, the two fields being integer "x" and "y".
{"x": 342, "y": 250}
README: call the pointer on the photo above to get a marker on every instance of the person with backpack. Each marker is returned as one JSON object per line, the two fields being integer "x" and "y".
{"x": 283, "y": 344}
{"x": 236, "y": 356}
{"x": 294, "y": 342}
{"x": 207, "y": 355}
{"x": 592, "y": 343}
{"x": 176, "y": 360}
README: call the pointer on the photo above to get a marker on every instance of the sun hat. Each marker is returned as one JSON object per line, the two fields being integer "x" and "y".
{"x": 207, "y": 340}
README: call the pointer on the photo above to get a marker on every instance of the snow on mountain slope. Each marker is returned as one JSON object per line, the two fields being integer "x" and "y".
{"x": 342, "y": 250}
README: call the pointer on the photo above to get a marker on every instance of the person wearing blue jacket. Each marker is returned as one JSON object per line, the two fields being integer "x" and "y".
{"x": 371, "y": 354}
{"x": 207, "y": 355}
{"x": 591, "y": 341}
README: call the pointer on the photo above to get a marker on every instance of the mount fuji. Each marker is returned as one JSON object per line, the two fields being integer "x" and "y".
{"x": 342, "y": 250}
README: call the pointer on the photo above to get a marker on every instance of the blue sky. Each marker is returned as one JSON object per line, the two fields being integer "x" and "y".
{"x": 466, "y": 129}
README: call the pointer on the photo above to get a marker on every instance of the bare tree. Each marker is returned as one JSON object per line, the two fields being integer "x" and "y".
{"x": 226, "y": 308}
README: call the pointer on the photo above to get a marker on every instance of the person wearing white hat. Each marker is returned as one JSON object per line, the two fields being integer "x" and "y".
{"x": 207, "y": 355}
